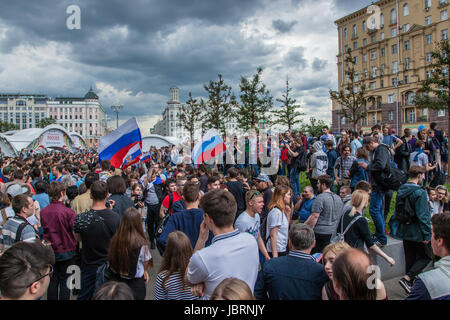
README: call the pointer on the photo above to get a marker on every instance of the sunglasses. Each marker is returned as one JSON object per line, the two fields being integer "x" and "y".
{"x": 255, "y": 193}
{"x": 42, "y": 277}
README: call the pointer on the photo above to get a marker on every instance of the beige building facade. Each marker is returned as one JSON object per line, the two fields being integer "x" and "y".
{"x": 393, "y": 56}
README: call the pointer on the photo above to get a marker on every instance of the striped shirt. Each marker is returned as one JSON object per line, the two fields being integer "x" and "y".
{"x": 10, "y": 228}
{"x": 173, "y": 288}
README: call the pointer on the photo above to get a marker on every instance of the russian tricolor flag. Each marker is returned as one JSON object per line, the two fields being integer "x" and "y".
{"x": 133, "y": 156}
{"x": 146, "y": 157}
{"x": 117, "y": 145}
{"x": 209, "y": 147}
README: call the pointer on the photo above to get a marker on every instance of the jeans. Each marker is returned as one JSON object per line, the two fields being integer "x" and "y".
{"x": 283, "y": 169}
{"x": 417, "y": 257}
{"x": 152, "y": 220}
{"x": 322, "y": 240}
{"x": 387, "y": 202}
{"x": 314, "y": 185}
{"x": 58, "y": 289}
{"x": 88, "y": 277}
{"x": 377, "y": 213}
{"x": 295, "y": 183}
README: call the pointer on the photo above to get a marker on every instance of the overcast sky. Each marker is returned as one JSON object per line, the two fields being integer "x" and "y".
{"x": 134, "y": 51}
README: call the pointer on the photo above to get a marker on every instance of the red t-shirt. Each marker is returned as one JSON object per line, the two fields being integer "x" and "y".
{"x": 166, "y": 201}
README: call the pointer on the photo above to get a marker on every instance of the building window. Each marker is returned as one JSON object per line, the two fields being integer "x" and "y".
{"x": 391, "y": 116}
{"x": 365, "y": 73}
{"x": 365, "y": 57}
{"x": 373, "y": 54}
{"x": 394, "y": 82}
{"x": 382, "y": 19}
{"x": 345, "y": 33}
{"x": 406, "y": 79}
{"x": 406, "y": 27}
{"x": 382, "y": 36}
{"x": 394, "y": 32}
{"x": 355, "y": 45}
{"x": 374, "y": 118}
{"x": 429, "y": 38}
{"x": 383, "y": 52}
{"x": 364, "y": 42}
{"x": 427, "y": 20}
{"x": 412, "y": 116}
{"x": 410, "y": 98}
{"x": 444, "y": 15}
{"x": 441, "y": 113}
{"x": 364, "y": 25}
{"x": 355, "y": 31}
{"x": 374, "y": 72}
{"x": 428, "y": 74}
{"x": 394, "y": 48}
{"x": 407, "y": 64}
{"x": 343, "y": 120}
{"x": 346, "y": 48}
{"x": 394, "y": 67}
{"x": 429, "y": 57}
{"x": 356, "y": 77}
{"x": 373, "y": 85}
{"x": 382, "y": 83}
{"x": 355, "y": 60}
{"x": 393, "y": 16}
{"x": 407, "y": 45}
{"x": 427, "y": 4}
{"x": 444, "y": 34}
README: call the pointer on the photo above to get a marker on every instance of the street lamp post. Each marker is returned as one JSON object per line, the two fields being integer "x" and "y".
{"x": 116, "y": 109}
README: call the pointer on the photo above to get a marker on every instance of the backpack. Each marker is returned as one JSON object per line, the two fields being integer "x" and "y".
{"x": 405, "y": 212}
{"x": 340, "y": 236}
{"x": 301, "y": 162}
{"x": 391, "y": 178}
{"x": 164, "y": 220}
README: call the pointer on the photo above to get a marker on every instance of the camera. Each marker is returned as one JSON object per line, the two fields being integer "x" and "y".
{"x": 138, "y": 198}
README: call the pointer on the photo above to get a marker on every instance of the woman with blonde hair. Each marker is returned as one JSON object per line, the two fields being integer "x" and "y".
{"x": 171, "y": 282}
{"x": 355, "y": 228}
{"x": 330, "y": 254}
{"x": 277, "y": 228}
{"x": 232, "y": 289}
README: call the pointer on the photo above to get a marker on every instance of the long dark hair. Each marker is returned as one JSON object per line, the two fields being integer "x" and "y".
{"x": 176, "y": 256}
{"x": 127, "y": 242}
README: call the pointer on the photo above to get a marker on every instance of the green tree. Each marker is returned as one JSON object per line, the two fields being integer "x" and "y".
{"x": 6, "y": 126}
{"x": 46, "y": 122}
{"x": 256, "y": 102}
{"x": 219, "y": 105}
{"x": 435, "y": 92}
{"x": 286, "y": 114}
{"x": 314, "y": 127}
{"x": 351, "y": 97}
{"x": 190, "y": 115}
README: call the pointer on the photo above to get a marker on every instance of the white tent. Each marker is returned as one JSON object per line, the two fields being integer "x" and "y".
{"x": 7, "y": 148}
{"x": 157, "y": 141}
{"x": 53, "y": 137}
{"x": 78, "y": 140}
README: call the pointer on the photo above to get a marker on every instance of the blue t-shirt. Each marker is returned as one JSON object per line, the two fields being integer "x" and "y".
{"x": 305, "y": 210}
{"x": 43, "y": 199}
{"x": 389, "y": 140}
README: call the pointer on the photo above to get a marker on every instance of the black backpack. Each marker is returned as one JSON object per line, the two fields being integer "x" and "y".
{"x": 391, "y": 178}
{"x": 405, "y": 212}
{"x": 302, "y": 161}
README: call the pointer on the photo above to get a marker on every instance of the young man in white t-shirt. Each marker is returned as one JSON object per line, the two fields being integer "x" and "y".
{"x": 249, "y": 220}
{"x": 232, "y": 254}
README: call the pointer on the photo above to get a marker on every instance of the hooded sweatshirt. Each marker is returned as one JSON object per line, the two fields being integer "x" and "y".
{"x": 319, "y": 161}
{"x": 420, "y": 229}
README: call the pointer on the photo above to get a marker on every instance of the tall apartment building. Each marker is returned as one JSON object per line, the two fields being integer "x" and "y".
{"x": 23, "y": 110}
{"x": 393, "y": 59}
{"x": 84, "y": 115}
{"x": 170, "y": 124}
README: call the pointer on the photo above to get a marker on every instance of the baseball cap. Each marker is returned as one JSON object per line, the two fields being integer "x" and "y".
{"x": 263, "y": 178}
{"x": 15, "y": 190}
{"x": 421, "y": 127}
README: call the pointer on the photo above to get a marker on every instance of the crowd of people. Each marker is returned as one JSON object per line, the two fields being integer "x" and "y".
{"x": 227, "y": 231}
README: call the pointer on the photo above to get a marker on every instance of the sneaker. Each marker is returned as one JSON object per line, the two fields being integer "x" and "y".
{"x": 380, "y": 244}
{"x": 406, "y": 285}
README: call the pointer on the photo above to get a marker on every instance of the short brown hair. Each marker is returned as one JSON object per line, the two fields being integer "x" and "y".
{"x": 190, "y": 192}
{"x": 116, "y": 185}
{"x": 362, "y": 153}
{"x": 441, "y": 228}
{"x": 99, "y": 190}
{"x": 106, "y": 165}
{"x": 326, "y": 180}
{"x": 20, "y": 201}
{"x": 55, "y": 189}
{"x": 414, "y": 171}
{"x": 220, "y": 206}
{"x": 363, "y": 185}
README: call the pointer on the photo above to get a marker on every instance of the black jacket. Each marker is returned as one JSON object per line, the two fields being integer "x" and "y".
{"x": 402, "y": 155}
{"x": 380, "y": 161}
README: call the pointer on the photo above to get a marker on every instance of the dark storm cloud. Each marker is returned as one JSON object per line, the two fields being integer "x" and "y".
{"x": 283, "y": 26}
